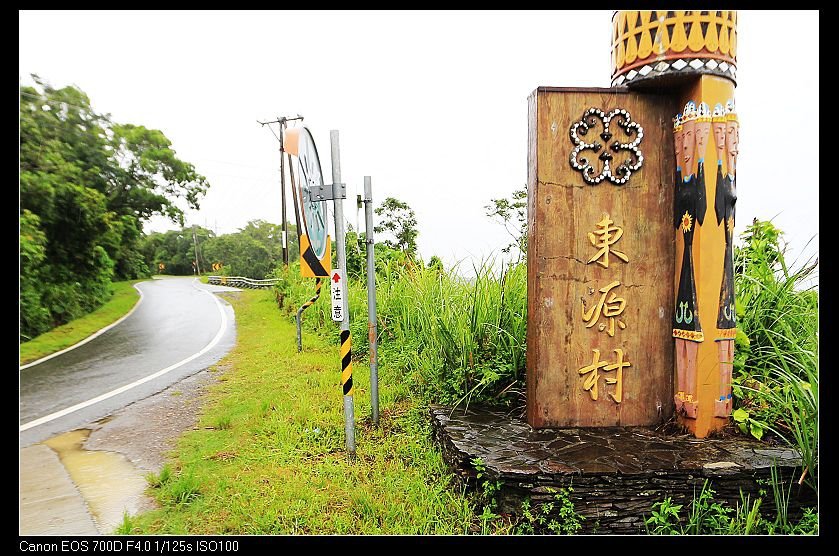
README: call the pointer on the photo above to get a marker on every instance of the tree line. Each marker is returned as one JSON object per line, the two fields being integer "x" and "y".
{"x": 253, "y": 251}
{"x": 87, "y": 184}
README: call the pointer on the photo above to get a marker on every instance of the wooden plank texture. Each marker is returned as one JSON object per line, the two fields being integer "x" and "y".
{"x": 563, "y": 285}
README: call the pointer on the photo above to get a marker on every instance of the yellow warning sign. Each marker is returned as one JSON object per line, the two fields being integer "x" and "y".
{"x": 310, "y": 265}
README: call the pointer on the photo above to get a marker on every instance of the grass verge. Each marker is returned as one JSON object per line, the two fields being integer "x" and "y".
{"x": 268, "y": 454}
{"x": 123, "y": 300}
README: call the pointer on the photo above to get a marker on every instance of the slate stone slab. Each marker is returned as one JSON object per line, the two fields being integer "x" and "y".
{"x": 617, "y": 474}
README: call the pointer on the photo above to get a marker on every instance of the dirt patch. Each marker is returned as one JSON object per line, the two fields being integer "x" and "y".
{"x": 147, "y": 430}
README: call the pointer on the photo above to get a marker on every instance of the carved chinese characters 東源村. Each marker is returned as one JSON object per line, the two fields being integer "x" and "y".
{"x": 627, "y": 153}
{"x": 608, "y": 306}
{"x": 603, "y": 238}
{"x": 590, "y": 382}
{"x": 610, "y": 309}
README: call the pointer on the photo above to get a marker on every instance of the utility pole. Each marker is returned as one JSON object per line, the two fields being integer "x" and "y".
{"x": 195, "y": 242}
{"x": 283, "y": 120}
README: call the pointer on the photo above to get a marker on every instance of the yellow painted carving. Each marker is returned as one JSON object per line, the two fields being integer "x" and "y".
{"x": 590, "y": 382}
{"x": 631, "y": 44}
{"x": 687, "y": 222}
{"x": 631, "y": 48}
{"x": 621, "y": 60}
{"x": 696, "y": 41}
{"x": 732, "y": 44}
{"x": 603, "y": 239}
{"x": 689, "y": 335}
{"x": 610, "y": 309}
{"x": 632, "y": 21}
{"x": 679, "y": 40}
{"x": 618, "y": 366}
{"x": 645, "y": 45}
{"x": 724, "y": 34}
{"x": 711, "y": 41}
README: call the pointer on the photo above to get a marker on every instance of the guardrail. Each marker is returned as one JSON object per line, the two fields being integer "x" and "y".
{"x": 241, "y": 282}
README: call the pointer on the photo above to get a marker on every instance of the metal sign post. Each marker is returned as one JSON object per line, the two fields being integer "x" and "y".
{"x": 195, "y": 241}
{"x": 372, "y": 332}
{"x": 299, "y": 318}
{"x": 346, "y": 339}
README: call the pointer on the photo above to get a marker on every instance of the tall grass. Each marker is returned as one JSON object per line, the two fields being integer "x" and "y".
{"x": 707, "y": 516}
{"x": 458, "y": 339}
{"x": 777, "y": 309}
{"x": 471, "y": 332}
{"x": 777, "y": 370}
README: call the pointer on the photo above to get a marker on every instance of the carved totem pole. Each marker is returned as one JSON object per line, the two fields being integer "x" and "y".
{"x": 610, "y": 294}
{"x": 693, "y": 54}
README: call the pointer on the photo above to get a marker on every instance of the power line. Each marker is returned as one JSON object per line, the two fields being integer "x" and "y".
{"x": 204, "y": 161}
{"x": 262, "y": 168}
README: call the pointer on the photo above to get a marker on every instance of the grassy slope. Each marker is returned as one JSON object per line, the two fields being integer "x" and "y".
{"x": 268, "y": 456}
{"x": 124, "y": 298}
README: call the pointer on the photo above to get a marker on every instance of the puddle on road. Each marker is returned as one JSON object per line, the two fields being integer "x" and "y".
{"x": 109, "y": 483}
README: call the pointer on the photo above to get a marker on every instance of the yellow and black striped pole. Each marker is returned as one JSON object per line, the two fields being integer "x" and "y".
{"x": 346, "y": 362}
{"x": 300, "y": 313}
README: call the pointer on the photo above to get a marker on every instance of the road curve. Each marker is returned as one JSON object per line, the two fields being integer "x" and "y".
{"x": 179, "y": 329}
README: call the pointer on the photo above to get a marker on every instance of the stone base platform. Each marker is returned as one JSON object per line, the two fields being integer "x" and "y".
{"x": 617, "y": 474}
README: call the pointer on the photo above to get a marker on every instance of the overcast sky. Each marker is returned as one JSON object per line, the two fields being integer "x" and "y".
{"x": 431, "y": 104}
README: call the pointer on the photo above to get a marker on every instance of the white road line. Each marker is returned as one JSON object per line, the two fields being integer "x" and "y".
{"x": 89, "y": 338}
{"x": 120, "y": 390}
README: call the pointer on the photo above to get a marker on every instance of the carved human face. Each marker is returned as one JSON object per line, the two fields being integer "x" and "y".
{"x": 688, "y": 144}
{"x": 678, "y": 136}
{"x": 732, "y": 145}
{"x": 703, "y": 129}
{"x": 719, "y": 138}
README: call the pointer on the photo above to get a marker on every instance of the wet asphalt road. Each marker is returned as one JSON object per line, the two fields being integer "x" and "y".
{"x": 176, "y": 319}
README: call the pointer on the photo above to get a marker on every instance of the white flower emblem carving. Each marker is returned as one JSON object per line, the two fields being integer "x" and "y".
{"x": 622, "y": 171}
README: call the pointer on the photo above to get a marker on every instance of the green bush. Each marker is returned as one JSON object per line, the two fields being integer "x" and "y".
{"x": 776, "y": 378}
{"x": 707, "y": 516}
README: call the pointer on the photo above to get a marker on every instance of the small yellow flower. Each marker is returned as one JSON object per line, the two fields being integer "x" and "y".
{"x": 687, "y": 222}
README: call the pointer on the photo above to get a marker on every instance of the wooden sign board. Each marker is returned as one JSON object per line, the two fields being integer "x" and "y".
{"x": 600, "y": 258}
